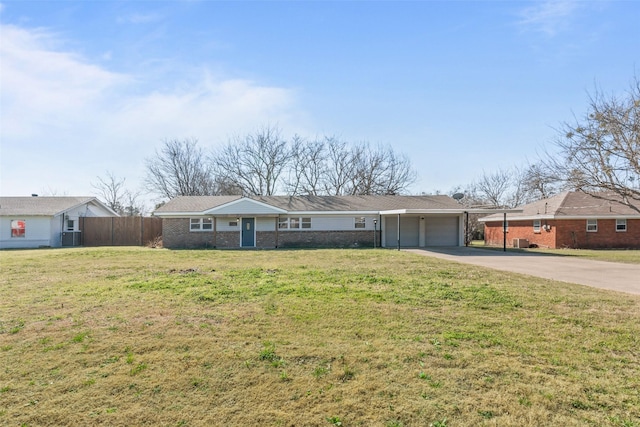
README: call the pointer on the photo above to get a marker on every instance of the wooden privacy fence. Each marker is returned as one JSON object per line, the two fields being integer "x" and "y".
{"x": 120, "y": 231}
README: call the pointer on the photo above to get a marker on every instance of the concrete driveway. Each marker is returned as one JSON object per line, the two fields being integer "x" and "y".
{"x": 599, "y": 274}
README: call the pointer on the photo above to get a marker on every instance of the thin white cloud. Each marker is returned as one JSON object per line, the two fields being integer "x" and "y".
{"x": 73, "y": 119}
{"x": 548, "y": 17}
{"x": 139, "y": 18}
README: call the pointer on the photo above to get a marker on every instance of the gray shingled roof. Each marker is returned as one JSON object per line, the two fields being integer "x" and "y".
{"x": 193, "y": 204}
{"x": 39, "y": 206}
{"x": 571, "y": 204}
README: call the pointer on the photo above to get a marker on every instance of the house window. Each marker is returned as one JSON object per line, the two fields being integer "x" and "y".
{"x": 592, "y": 225}
{"x": 294, "y": 223}
{"x": 621, "y": 225}
{"x": 201, "y": 224}
{"x": 360, "y": 222}
{"x": 71, "y": 225}
{"x": 536, "y": 225}
{"x": 18, "y": 227}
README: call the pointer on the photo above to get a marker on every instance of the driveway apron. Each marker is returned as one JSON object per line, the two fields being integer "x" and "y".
{"x": 598, "y": 274}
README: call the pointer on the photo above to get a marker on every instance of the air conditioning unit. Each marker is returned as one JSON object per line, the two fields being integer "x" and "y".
{"x": 520, "y": 243}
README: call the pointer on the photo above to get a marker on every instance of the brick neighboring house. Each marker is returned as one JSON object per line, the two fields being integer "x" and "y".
{"x": 568, "y": 220}
{"x": 311, "y": 221}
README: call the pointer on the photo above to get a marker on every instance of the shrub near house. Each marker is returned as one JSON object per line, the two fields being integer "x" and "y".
{"x": 569, "y": 220}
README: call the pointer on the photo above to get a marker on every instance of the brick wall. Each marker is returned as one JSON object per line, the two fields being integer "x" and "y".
{"x": 573, "y": 234}
{"x": 567, "y": 233}
{"x": 265, "y": 239}
{"x": 519, "y": 230}
{"x": 325, "y": 239}
{"x": 176, "y": 235}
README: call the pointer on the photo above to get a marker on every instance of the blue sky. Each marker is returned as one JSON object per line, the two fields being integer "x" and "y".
{"x": 461, "y": 87}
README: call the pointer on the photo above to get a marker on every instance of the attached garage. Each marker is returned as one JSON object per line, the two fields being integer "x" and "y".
{"x": 442, "y": 231}
{"x": 409, "y": 231}
{"x": 422, "y": 229}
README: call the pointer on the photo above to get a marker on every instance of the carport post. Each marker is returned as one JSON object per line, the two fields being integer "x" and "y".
{"x": 504, "y": 233}
{"x": 398, "y": 231}
{"x": 466, "y": 229}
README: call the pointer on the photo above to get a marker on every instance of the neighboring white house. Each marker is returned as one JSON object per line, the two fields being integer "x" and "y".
{"x": 32, "y": 222}
{"x": 311, "y": 221}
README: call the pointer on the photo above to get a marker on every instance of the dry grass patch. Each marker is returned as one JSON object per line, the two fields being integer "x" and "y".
{"x": 133, "y": 336}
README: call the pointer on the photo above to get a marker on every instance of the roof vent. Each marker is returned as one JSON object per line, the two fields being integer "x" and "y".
{"x": 34, "y": 195}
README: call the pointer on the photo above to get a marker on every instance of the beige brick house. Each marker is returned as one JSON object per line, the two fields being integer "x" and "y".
{"x": 568, "y": 220}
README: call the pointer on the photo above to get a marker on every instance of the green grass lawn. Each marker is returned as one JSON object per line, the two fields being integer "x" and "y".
{"x": 136, "y": 336}
{"x": 629, "y": 256}
{"x": 613, "y": 255}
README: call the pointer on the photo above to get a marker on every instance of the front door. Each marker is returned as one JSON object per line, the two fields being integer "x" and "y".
{"x": 248, "y": 232}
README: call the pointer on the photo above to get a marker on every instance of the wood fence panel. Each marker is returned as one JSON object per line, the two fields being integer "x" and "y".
{"x": 120, "y": 231}
{"x": 152, "y": 229}
{"x": 96, "y": 231}
{"x": 127, "y": 231}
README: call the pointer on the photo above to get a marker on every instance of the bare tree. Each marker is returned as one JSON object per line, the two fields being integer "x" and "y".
{"x": 340, "y": 167}
{"x": 493, "y": 188}
{"x": 180, "y": 169}
{"x": 113, "y": 192}
{"x": 254, "y": 163}
{"x": 331, "y": 166}
{"x": 379, "y": 170}
{"x": 601, "y": 151}
{"x": 540, "y": 181}
{"x": 308, "y": 166}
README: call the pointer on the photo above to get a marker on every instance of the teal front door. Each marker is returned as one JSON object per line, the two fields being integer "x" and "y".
{"x": 248, "y": 232}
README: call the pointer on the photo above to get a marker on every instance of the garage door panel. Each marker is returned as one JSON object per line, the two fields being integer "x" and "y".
{"x": 409, "y": 231}
{"x": 441, "y": 231}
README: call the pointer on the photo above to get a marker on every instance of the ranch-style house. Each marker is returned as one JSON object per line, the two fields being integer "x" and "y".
{"x": 311, "y": 221}
{"x": 568, "y": 220}
{"x": 33, "y": 222}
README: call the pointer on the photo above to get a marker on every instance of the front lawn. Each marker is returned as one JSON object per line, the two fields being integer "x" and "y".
{"x": 136, "y": 336}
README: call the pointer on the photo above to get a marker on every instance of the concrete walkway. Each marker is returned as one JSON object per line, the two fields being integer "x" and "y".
{"x": 599, "y": 274}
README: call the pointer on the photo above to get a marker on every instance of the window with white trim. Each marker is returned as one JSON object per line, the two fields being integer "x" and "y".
{"x": 294, "y": 223}
{"x": 592, "y": 225}
{"x": 536, "y": 225}
{"x": 360, "y": 222}
{"x": 621, "y": 225}
{"x": 283, "y": 223}
{"x": 201, "y": 224}
{"x": 71, "y": 225}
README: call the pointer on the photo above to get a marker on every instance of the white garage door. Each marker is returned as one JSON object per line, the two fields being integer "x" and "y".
{"x": 409, "y": 232}
{"x": 441, "y": 231}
